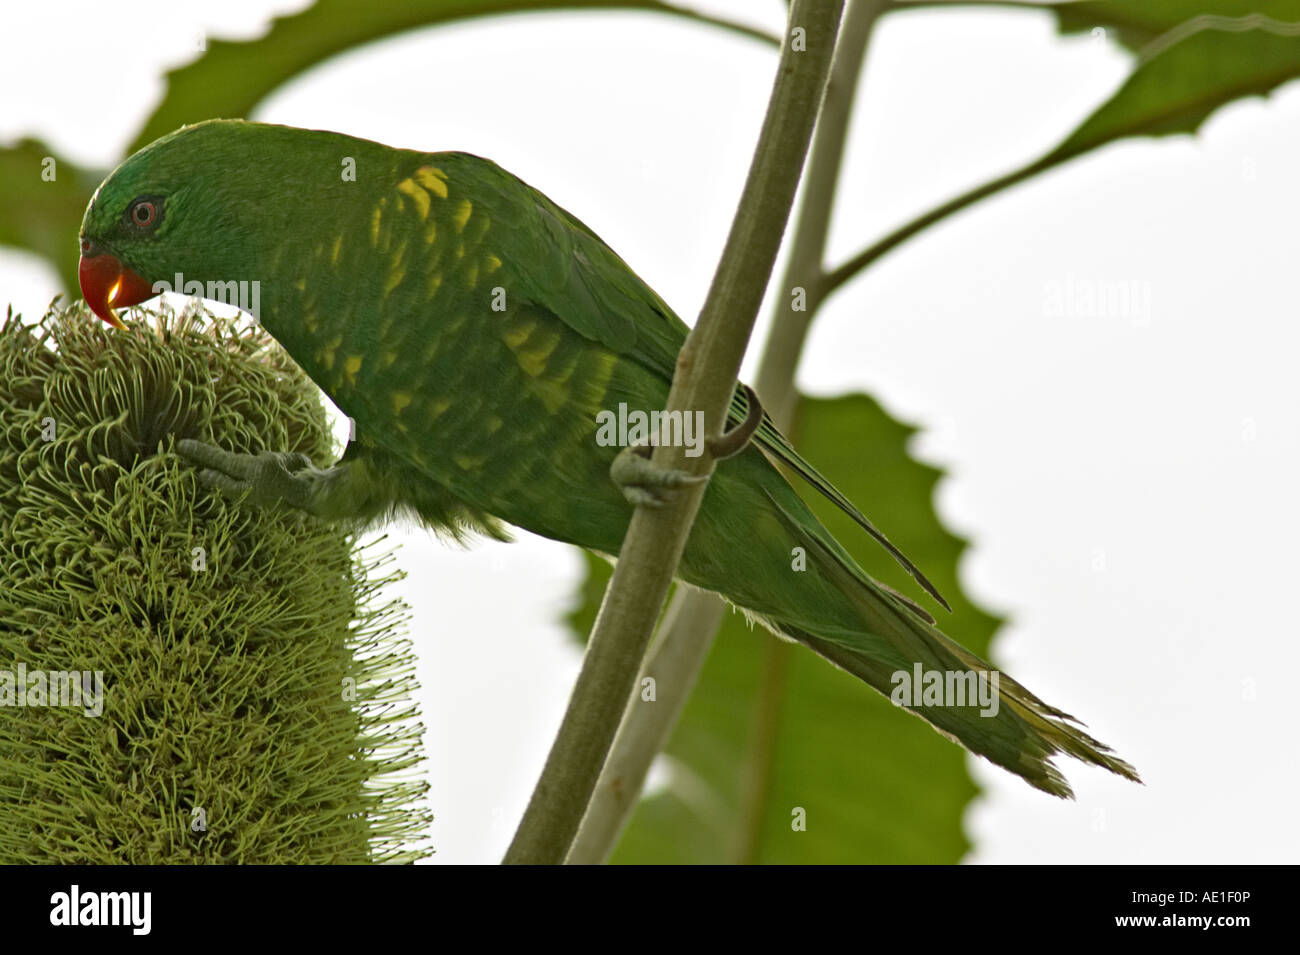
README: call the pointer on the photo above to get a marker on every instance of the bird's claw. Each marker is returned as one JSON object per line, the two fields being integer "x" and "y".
{"x": 267, "y": 478}
{"x": 644, "y": 482}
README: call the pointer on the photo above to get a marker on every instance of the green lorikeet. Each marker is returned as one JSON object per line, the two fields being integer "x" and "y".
{"x": 474, "y": 331}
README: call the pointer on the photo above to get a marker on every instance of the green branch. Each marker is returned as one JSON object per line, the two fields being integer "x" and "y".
{"x": 674, "y": 663}
{"x": 694, "y": 616}
{"x": 843, "y": 273}
{"x": 234, "y": 76}
{"x": 704, "y": 381}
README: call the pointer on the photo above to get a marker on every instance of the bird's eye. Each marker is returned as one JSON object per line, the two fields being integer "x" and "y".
{"x": 143, "y": 214}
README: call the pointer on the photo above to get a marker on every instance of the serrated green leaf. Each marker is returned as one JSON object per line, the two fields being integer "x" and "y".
{"x": 1184, "y": 76}
{"x": 1135, "y": 23}
{"x": 233, "y": 76}
{"x": 43, "y": 215}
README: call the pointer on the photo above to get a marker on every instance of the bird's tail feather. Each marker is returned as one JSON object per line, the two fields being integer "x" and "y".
{"x": 1020, "y": 732}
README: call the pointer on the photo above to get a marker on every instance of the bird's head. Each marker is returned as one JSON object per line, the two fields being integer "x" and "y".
{"x": 213, "y": 202}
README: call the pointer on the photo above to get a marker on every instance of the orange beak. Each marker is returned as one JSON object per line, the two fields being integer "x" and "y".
{"x": 107, "y": 284}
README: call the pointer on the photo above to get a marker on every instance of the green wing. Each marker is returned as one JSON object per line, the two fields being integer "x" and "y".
{"x": 557, "y": 262}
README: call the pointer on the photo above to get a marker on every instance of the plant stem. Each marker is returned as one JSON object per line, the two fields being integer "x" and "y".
{"x": 842, "y": 273}
{"x": 775, "y": 383}
{"x": 756, "y": 771}
{"x": 674, "y": 663}
{"x": 694, "y": 616}
{"x": 704, "y": 381}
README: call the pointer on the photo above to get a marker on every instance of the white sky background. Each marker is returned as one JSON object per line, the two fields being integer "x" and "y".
{"x": 1127, "y": 482}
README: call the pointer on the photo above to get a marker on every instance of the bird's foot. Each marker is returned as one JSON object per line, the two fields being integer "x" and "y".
{"x": 269, "y": 478}
{"x": 644, "y": 482}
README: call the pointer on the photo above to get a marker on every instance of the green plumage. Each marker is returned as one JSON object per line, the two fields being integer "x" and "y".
{"x": 473, "y": 330}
